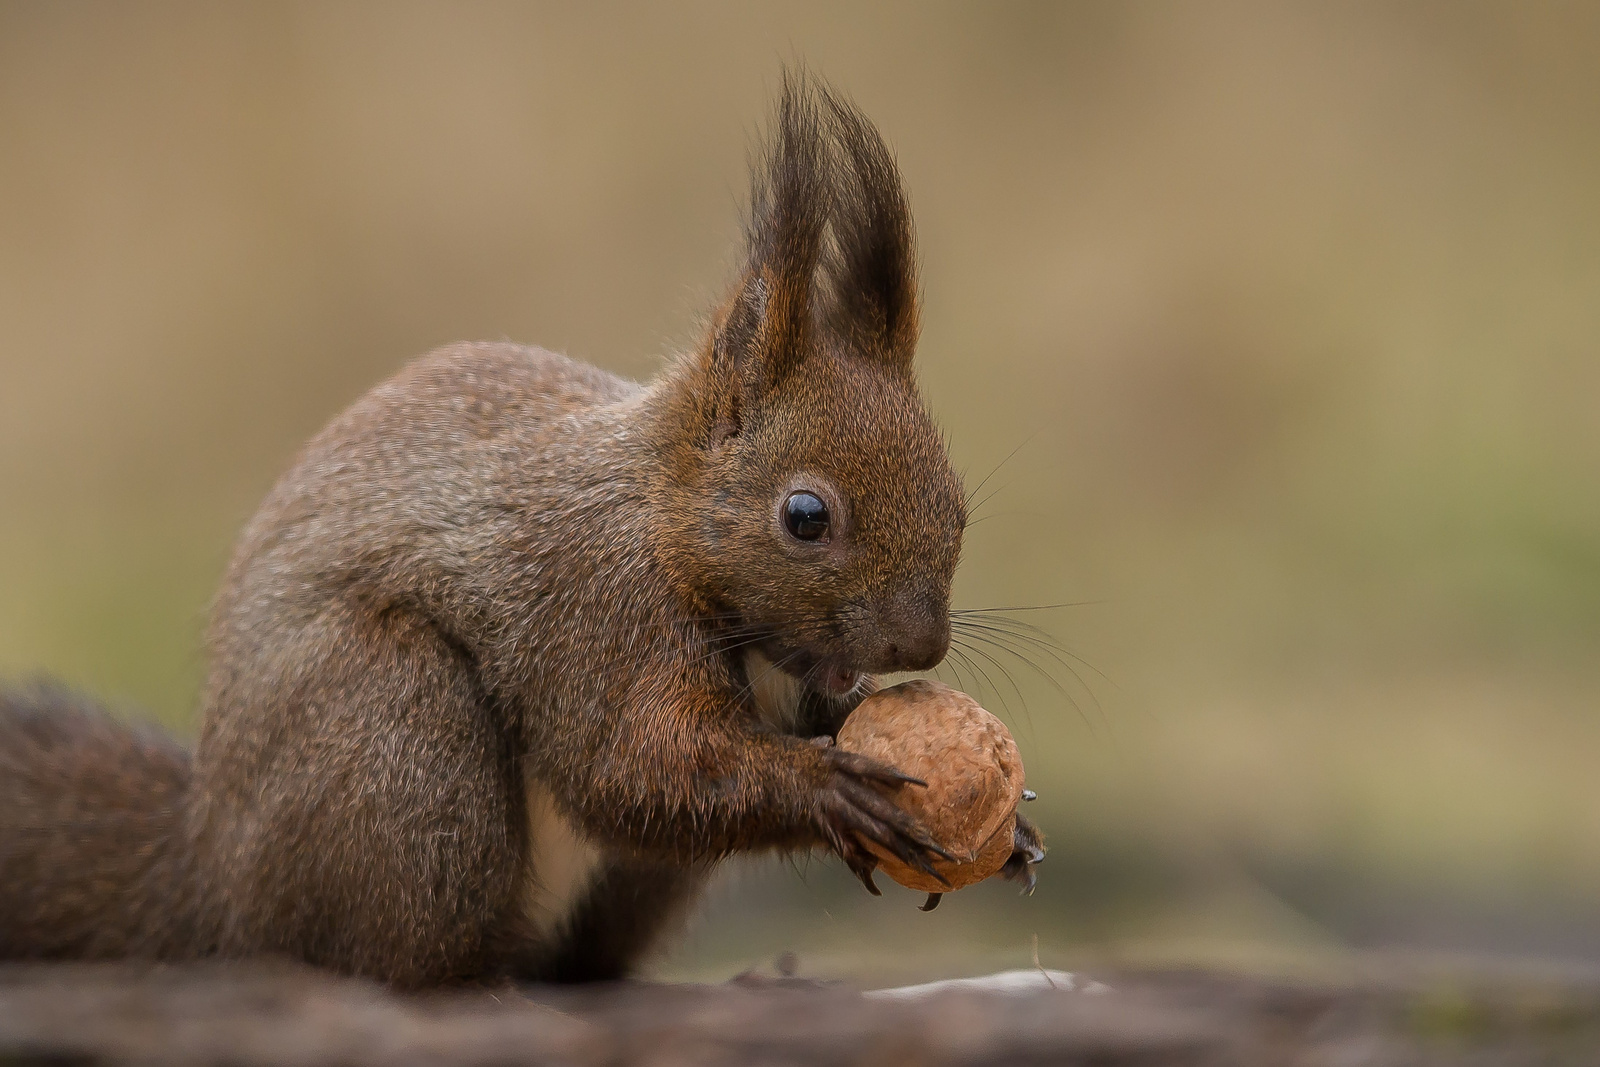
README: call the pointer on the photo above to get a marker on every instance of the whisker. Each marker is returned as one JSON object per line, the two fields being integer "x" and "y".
{"x": 1027, "y": 607}
{"x": 948, "y": 663}
{"x": 708, "y": 653}
{"x": 996, "y": 468}
{"x": 996, "y": 491}
{"x": 999, "y": 693}
{"x": 1027, "y": 716}
{"x": 749, "y": 686}
{"x": 685, "y": 622}
{"x": 975, "y": 679}
{"x": 954, "y": 657}
{"x": 993, "y": 634}
{"x": 991, "y": 641}
{"x": 1040, "y": 639}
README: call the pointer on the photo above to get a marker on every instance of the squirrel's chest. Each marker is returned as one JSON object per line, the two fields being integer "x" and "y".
{"x": 776, "y": 694}
{"x": 561, "y": 864}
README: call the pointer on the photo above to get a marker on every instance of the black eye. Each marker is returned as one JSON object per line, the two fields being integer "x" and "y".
{"x": 806, "y": 516}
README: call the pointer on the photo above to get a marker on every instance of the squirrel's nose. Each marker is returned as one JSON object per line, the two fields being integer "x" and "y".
{"x": 917, "y": 634}
{"x": 920, "y": 653}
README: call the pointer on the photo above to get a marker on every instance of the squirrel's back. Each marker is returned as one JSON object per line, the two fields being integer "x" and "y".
{"x": 408, "y": 496}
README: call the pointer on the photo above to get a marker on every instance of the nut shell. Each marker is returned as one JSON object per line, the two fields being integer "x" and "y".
{"x": 972, "y": 768}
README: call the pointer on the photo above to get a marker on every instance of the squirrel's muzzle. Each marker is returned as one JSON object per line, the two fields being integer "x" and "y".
{"x": 915, "y": 633}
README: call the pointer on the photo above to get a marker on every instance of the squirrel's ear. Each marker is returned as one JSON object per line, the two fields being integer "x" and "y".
{"x": 766, "y": 329}
{"x": 873, "y": 290}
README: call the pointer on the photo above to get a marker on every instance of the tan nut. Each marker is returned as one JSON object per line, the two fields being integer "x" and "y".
{"x": 972, "y": 768}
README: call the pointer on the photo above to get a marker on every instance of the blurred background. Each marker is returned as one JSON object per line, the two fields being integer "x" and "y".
{"x": 1271, "y": 331}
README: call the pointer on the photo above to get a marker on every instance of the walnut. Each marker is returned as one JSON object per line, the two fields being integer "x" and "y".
{"x": 970, "y": 763}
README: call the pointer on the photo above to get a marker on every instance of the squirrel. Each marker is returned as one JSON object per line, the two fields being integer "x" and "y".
{"x": 518, "y": 650}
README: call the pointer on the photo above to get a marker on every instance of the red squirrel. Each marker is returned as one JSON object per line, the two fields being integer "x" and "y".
{"x": 518, "y": 650}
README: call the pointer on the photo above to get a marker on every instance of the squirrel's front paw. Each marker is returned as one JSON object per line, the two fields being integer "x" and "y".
{"x": 1027, "y": 850}
{"x": 852, "y": 808}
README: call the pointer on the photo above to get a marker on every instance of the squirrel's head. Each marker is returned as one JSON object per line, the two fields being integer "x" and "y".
{"x": 817, "y": 508}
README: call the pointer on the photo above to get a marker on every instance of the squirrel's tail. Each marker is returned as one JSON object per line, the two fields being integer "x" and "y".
{"x": 91, "y": 832}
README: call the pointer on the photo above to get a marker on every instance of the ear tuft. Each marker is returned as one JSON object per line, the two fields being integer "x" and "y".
{"x": 791, "y": 195}
{"x": 874, "y": 290}
{"x": 829, "y": 245}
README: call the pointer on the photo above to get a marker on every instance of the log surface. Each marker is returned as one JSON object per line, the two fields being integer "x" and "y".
{"x": 267, "y": 1016}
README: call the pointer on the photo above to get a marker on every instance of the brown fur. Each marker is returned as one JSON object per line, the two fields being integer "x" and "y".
{"x": 479, "y": 701}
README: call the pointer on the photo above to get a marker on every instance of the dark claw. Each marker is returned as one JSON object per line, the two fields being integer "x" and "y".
{"x": 865, "y": 767}
{"x": 1020, "y": 872}
{"x": 900, "y": 776}
{"x": 1027, "y": 845}
{"x": 923, "y": 842}
{"x": 864, "y": 872}
{"x": 890, "y": 777}
{"x": 932, "y": 902}
{"x": 857, "y": 816}
{"x": 921, "y": 864}
{"x": 929, "y": 845}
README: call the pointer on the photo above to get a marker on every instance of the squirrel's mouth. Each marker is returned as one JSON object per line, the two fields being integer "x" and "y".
{"x": 837, "y": 680}
{"x": 823, "y": 674}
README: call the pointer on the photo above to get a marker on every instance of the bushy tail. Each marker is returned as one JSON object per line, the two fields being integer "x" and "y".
{"x": 91, "y": 832}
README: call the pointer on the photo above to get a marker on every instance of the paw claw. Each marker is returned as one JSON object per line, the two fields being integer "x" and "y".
{"x": 864, "y": 872}
{"x": 921, "y": 863}
{"x": 856, "y": 813}
{"x": 1027, "y": 852}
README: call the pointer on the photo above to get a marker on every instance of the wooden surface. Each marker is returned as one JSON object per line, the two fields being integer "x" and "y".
{"x": 290, "y": 1016}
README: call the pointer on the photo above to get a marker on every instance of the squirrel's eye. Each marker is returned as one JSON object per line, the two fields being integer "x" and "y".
{"x": 805, "y": 516}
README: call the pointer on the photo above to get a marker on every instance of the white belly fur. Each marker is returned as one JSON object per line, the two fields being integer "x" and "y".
{"x": 776, "y": 694}
{"x": 560, "y": 866}
{"x": 562, "y": 862}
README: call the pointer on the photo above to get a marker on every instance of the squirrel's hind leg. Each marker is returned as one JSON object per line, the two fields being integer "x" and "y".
{"x": 364, "y": 806}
